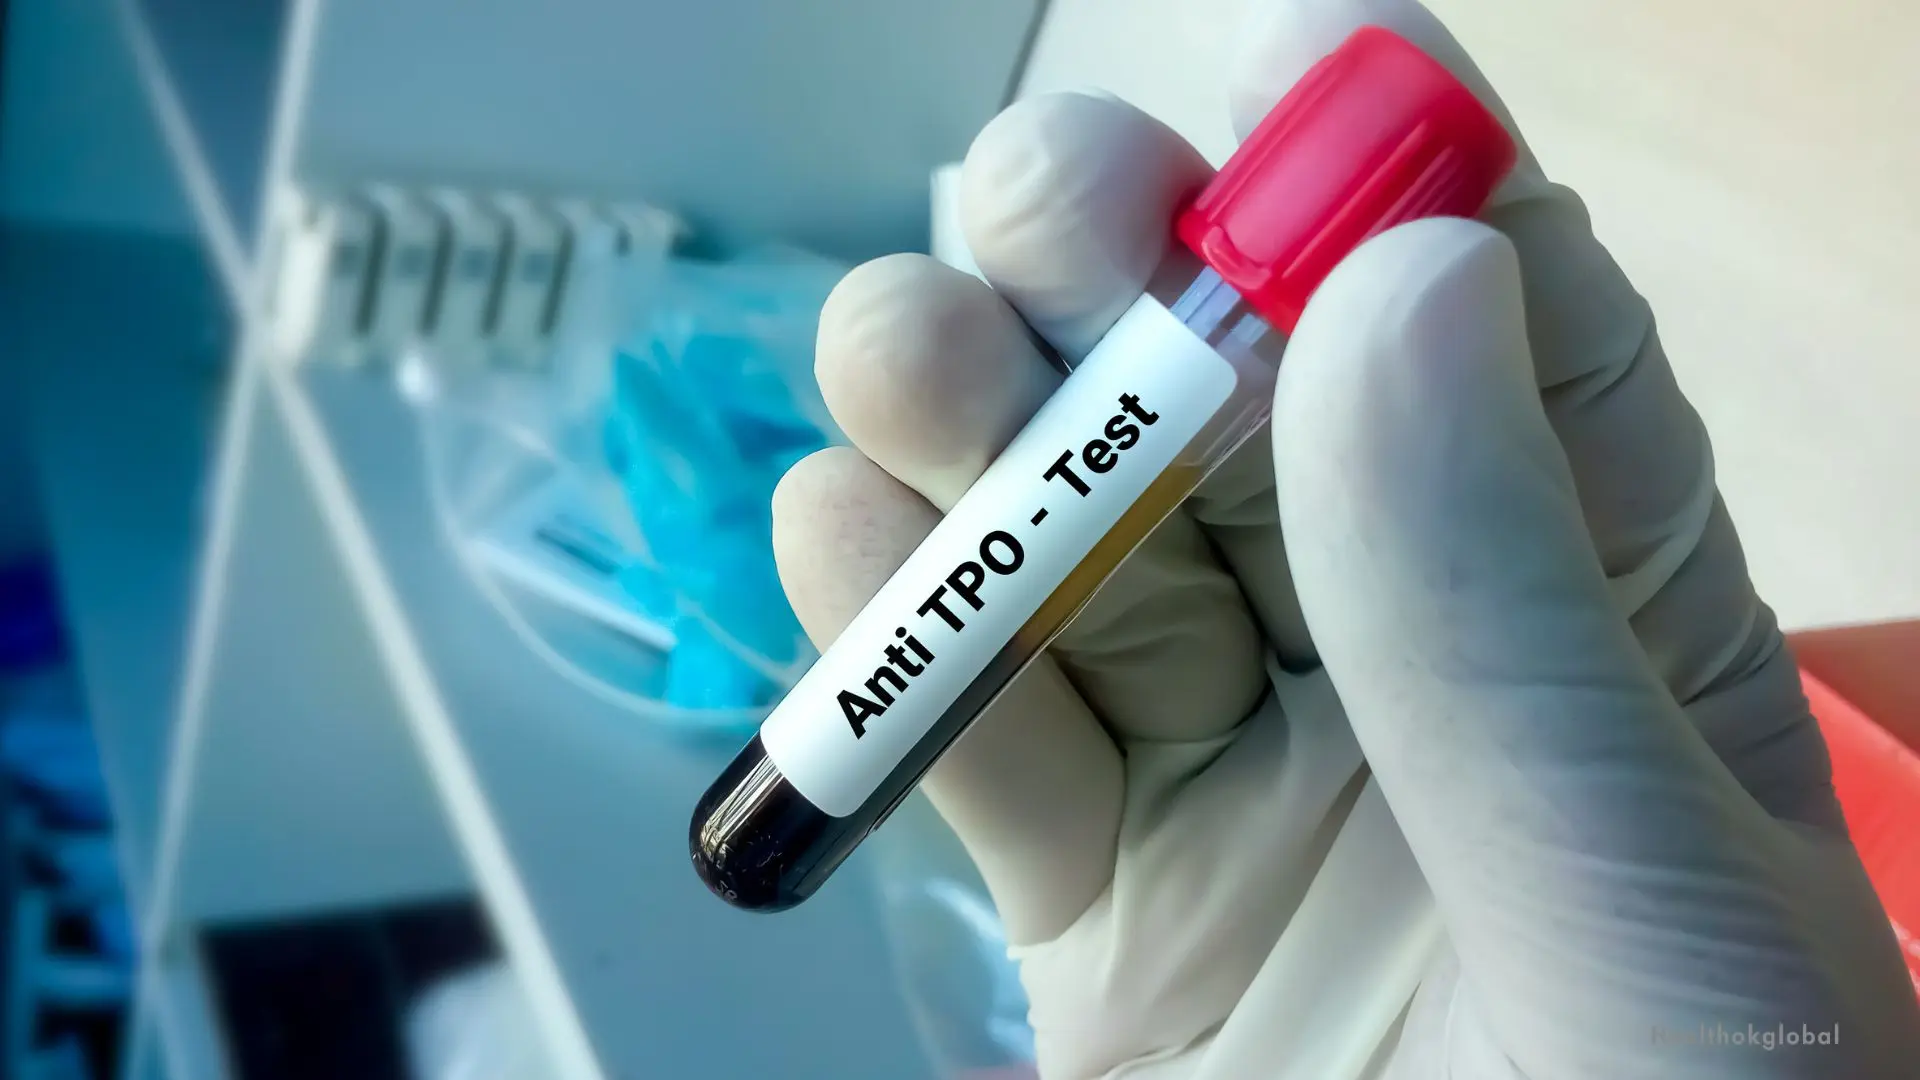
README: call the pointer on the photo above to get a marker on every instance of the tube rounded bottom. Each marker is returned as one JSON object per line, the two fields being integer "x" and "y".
{"x": 758, "y": 843}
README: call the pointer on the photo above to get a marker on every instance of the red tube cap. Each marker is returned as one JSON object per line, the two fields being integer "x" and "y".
{"x": 1376, "y": 135}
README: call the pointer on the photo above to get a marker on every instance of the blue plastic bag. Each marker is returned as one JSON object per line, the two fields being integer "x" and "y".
{"x": 713, "y": 400}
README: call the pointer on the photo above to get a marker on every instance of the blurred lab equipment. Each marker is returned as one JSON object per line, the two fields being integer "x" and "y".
{"x": 950, "y": 957}
{"x": 474, "y": 1025}
{"x": 318, "y": 703}
{"x": 69, "y": 949}
{"x": 603, "y": 443}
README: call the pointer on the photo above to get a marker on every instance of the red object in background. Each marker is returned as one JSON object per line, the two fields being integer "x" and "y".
{"x": 1864, "y": 685}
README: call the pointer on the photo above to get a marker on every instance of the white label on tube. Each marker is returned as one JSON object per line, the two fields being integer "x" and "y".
{"x": 1087, "y": 455}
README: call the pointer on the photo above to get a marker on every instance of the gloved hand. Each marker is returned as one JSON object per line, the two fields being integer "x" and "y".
{"x": 1444, "y": 738}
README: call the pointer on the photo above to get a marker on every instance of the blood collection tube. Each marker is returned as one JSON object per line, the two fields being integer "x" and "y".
{"x": 1376, "y": 135}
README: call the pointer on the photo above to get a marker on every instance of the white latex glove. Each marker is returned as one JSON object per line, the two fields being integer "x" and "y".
{"x": 1537, "y": 797}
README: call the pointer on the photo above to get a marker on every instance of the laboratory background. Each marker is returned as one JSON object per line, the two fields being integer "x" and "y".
{"x": 350, "y": 708}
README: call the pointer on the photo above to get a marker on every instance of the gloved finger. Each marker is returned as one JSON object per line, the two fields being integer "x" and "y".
{"x": 1598, "y": 868}
{"x": 1033, "y": 789}
{"x": 1638, "y": 452}
{"x": 1065, "y": 202}
{"x": 931, "y": 374}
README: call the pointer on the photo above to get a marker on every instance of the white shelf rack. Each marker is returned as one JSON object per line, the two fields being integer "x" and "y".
{"x": 348, "y": 723}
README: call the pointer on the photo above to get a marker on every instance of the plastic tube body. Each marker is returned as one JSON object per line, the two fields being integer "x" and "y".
{"x": 841, "y": 752}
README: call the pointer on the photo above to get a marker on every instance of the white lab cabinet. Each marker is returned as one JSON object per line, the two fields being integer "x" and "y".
{"x": 328, "y": 715}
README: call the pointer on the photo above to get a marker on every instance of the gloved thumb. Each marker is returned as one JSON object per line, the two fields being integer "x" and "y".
{"x": 1599, "y": 871}
{"x": 1442, "y": 559}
